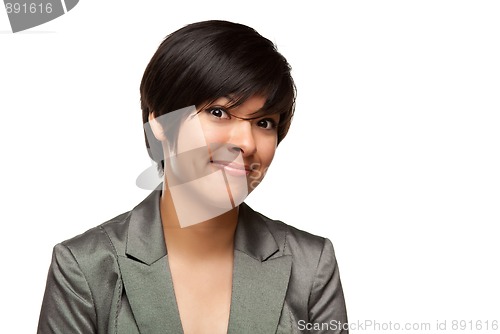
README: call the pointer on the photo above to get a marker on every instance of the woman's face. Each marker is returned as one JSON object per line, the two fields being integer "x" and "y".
{"x": 222, "y": 155}
{"x": 249, "y": 135}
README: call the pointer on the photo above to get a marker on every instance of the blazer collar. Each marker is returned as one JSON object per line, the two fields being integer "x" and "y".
{"x": 260, "y": 280}
{"x": 146, "y": 243}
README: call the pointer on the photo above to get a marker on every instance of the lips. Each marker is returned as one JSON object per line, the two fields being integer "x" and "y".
{"x": 231, "y": 167}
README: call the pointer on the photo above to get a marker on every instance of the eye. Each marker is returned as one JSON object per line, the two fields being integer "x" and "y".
{"x": 218, "y": 112}
{"x": 267, "y": 123}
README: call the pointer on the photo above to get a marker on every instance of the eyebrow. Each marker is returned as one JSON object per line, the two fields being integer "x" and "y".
{"x": 252, "y": 118}
{"x": 235, "y": 103}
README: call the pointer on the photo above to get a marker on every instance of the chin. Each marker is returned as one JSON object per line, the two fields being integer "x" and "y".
{"x": 219, "y": 191}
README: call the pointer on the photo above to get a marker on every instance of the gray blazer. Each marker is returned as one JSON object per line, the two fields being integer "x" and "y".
{"x": 115, "y": 278}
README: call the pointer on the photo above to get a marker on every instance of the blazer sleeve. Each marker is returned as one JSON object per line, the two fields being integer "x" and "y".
{"x": 67, "y": 305}
{"x": 326, "y": 302}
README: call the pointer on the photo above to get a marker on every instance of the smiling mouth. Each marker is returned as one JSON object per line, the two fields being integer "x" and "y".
{"x": 232, "y": 167}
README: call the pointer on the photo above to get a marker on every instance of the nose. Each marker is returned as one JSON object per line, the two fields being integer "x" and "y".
{"x": 242, "y": 138}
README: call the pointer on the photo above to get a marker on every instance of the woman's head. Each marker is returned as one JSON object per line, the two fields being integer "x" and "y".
{"x": 207, "y": 61}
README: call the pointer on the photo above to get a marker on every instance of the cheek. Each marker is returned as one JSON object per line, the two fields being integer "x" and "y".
{"x": 267, "y": 149}
{"x": 213, "y": 135}
{"x": 190, "y": 136}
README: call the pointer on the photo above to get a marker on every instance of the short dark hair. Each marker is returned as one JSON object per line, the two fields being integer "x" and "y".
{"x": 207, "y": 60}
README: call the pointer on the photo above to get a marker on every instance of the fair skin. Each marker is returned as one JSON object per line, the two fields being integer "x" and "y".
{"x": 201, "y": 255}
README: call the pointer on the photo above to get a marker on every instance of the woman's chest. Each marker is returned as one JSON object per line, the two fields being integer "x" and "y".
{"x": 203, "y": 295}
{"x": 252, "y": 300}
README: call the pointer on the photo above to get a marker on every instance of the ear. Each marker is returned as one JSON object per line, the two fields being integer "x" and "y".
{"x": 156, "y": 128}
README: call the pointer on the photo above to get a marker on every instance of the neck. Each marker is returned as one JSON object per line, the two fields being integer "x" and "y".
{"x": 200, "y": 240}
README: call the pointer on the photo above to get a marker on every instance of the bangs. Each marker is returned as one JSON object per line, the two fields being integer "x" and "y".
{"x": 239, "y": 71}
{"x": 279, "y": 92}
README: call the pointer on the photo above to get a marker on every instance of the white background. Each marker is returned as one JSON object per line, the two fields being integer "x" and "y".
{"x": 393, "y": 153}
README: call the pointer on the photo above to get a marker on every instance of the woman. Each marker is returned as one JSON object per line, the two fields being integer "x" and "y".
{"x": 216, "y": 99}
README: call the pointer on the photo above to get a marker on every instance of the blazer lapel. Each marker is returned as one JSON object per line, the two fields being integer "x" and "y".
{"x": 145, "y": 272}
{"x": 151, "y": 295}
{"x": 260, "y": 276}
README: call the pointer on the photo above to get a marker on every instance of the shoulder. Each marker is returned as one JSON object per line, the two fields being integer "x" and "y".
{"x": 94, "y": 255}
{"x": 314, "y": 290}
{"x": 84, "y": 280}
{"x": 97, "y": 247}
{"x": 303, "y": 246}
